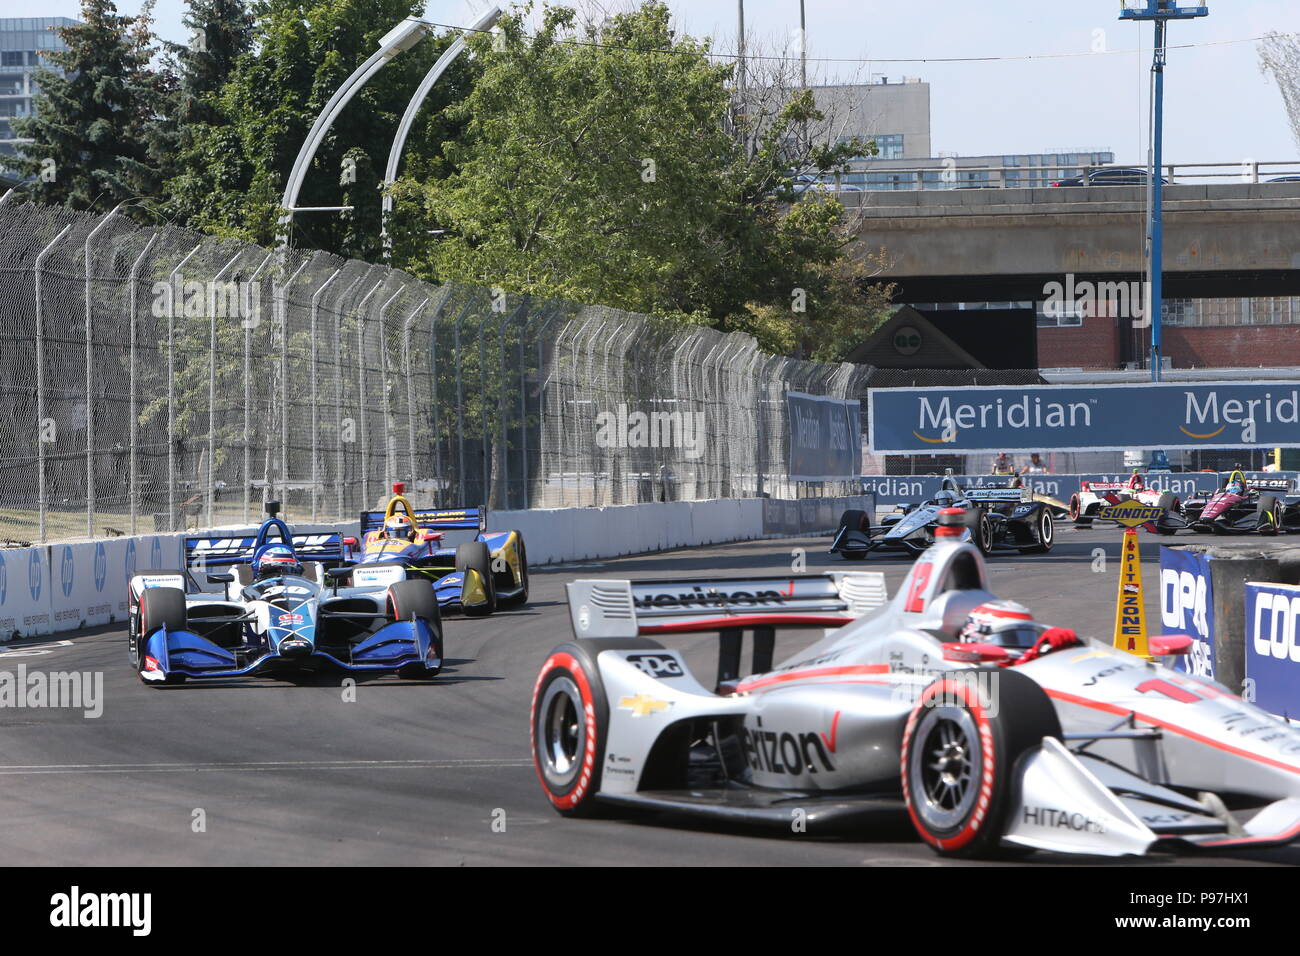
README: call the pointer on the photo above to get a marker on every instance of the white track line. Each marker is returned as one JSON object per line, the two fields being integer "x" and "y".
{"x": 264, "y": 767}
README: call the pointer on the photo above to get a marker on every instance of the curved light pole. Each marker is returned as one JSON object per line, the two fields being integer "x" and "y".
{"x": 485, "y": 22}
{"x": 402, "y": 37}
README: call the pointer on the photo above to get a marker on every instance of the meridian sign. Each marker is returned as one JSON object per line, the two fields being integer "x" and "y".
{"x": 1084, "y": 417}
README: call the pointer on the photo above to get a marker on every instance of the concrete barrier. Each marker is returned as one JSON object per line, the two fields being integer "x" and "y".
{"x": 45, "y": 589}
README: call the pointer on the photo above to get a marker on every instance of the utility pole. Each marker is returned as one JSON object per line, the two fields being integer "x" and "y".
{"x": 1160, "y": 12}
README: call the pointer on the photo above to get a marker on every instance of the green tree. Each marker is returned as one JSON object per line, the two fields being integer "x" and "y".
{"x": 604, "y": 163}
{"x": 90, "y": 128}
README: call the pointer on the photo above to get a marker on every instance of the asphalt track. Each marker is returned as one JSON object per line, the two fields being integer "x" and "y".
{"x": 262, "y": 772}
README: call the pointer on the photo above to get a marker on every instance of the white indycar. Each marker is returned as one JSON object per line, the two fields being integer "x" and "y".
{"x": 1062, "y": 745}
{"x": 1092, "y": 496}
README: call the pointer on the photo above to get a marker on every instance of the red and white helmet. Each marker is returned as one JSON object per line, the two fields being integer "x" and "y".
{"x": 399, "y": 526}
{"x": 1004, "y": 623}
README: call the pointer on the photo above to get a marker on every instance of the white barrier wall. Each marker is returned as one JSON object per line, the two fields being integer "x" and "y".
{"x": 61, "y": 587}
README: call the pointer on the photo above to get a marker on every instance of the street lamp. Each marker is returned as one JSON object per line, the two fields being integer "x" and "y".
{"x": 1161, "y": 12}
{"x": 397, "y": 40}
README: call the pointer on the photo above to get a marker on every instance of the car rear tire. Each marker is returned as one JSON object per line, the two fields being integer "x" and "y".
{"x": 982, "y": 532}
{"x": 411, "y": 600}
{"x": 1268, "y": 515}
{"x": 568, "y": 723}
{"x": 1168, "y": 503}
{"x": 474, "y": 556}
{"x": 959, "y": 758}
{"x": 1046, "y": 534}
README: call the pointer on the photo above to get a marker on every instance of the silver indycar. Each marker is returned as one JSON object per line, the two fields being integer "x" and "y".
{"x": 993, "y": 740}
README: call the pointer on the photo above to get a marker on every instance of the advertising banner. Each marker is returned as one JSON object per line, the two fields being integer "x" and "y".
{"x": 1187, "y": 607}
{"x": 1273, "y": 647}
{"x": 825, "y": 437}
{"x": 1030, "y": 418}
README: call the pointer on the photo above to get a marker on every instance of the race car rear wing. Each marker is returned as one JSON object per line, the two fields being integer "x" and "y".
{"x": 214, "y": 552}
{"x": 999, "y": 494}
{"x": 614, "y": 608}
{"x": 729, "y": 606}
{"x": 450, "y": 519}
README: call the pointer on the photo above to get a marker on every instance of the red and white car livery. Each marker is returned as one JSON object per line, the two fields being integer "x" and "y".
{"x": 1092, "y": 496}
{"x": 1070, "y": 746}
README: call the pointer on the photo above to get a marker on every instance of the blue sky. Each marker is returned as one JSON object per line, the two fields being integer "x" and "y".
{"x": 1219, "y": 106}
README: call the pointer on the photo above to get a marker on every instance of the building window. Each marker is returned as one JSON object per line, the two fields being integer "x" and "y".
{"x": 11, "y": 58}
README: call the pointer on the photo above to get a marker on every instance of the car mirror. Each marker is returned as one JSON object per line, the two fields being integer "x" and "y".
{"x": 963, "y": 653}
{"x": 220, "y": 577}
{"x": 338, "y": 575}
{"x": 1168, "y": 645}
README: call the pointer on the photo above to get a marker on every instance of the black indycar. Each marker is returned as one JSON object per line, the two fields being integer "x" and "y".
{"x": 1006, "y": 518}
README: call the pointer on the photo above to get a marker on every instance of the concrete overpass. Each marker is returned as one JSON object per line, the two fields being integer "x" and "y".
{"x": 1221, "y": 239}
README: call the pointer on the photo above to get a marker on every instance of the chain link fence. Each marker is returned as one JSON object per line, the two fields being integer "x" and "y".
{"x": 157, "y": 379}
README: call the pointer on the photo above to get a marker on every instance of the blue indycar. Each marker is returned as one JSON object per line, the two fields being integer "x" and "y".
{"x": 402, "y": 543}
{"x": 278, "y": 615}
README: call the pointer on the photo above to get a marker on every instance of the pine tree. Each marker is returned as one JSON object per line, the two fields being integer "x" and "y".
{"x": 89, "y": 130}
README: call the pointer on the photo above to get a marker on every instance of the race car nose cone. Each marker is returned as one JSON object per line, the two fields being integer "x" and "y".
{"x": 295, "y": 648}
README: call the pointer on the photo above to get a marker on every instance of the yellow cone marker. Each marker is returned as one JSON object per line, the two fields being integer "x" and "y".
{"x": 1130, "y": 609}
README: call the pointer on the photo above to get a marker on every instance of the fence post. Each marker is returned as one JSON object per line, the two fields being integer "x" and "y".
{"x": 171, "y": 389}
{"x": 361, "y": 391}
{"x": 282, "y": 300}
{"x": 212, "y": 378}
{"x": 133, "y": 469}
{"x": 41, "y": 503}
{"x": 249, "y": 324}
{"x": 460, "y": 410}
{"x": 338, "y": 391}
{"x": 410, "y": 384}
{"x": 315, "y": 397}
{"x": 387, "y": 430}
{"x": 90, "y": 379}
{"x": 523, "y": 403}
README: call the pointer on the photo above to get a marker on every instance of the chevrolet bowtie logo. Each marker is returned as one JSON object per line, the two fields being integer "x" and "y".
{"x": 642, "y": 705}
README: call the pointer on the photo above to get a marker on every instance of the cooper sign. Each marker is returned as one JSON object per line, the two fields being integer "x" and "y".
{"x": 1273, "y": 646}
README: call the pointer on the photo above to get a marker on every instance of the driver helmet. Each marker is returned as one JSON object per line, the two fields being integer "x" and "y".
{"x": 1004, "y": 623}
{"x": 275, "y": 560}
{"x": 1235, "y": 487}
{"x": 1135, "y": 482}
{"x": 399, "y": 526}
{"x": 945, "y": 499}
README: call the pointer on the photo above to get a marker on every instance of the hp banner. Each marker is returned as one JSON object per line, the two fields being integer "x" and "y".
{"x": 1187, "y": 607}
{"x": 825, "y": 437}
{"x": 1273, "y": 646}
{"x": 1084, "y": 418}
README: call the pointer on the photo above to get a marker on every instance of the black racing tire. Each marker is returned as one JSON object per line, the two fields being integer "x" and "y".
{"x": 474, "y": 556}
{"x": 568, "y": 723}
{"x": 520, "y": 599}
{"x": 1046, "y": 534}
{"x": 411, "y": 600}
{"x": 1076, "y": 507}
{"x": 853, "y": 555}
{"x": 1169, "y": 504}
{"x": 1269, "y": 515}
{"x": 855, "y": 520}
{"x": 960, "y": 760}
{"x": 982, "y": 533}
{"x": 159, "y": 607}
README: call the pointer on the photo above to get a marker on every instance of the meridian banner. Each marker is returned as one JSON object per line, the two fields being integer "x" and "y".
{"x": 1084, "y": 417}
{"x": 825, "y": 437}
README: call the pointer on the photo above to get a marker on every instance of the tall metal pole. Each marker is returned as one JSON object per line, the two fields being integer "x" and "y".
{"x": 133, "y": 474}
{"x": 42, "y": 503}
{"x": 1160, "y": 12}
{"x": 740, "y": 51}
{"x": 90, "y": 380}
{"x": 1157, "y": 195}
